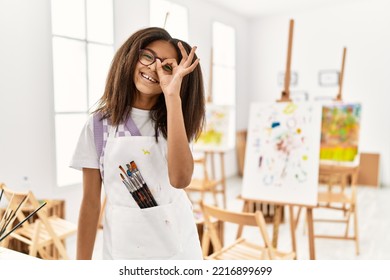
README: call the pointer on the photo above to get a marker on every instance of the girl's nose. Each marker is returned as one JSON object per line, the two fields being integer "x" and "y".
{"x": 153, "y": 66}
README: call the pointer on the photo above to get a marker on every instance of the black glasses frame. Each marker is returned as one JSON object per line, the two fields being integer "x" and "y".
{"x": 155, "y": 57}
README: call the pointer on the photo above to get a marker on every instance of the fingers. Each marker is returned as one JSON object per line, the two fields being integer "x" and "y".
{"x": 183, "y": 52}
{"x": 187, "y": 59}
{"x": 191, "y": 68}
{"x": 170, "y": 66}
{"x": 170, "y": 61}
{"x": 165, "y": 67}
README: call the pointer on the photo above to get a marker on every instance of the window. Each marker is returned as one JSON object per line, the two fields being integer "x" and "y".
{"x": 223, "y": 92}
{"x": 171, "y": 16}
{"x": 82, "y": 51}
{"x": 224, "y": 65}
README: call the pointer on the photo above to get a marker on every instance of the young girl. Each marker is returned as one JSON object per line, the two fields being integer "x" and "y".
{"x": 152, "y": 107}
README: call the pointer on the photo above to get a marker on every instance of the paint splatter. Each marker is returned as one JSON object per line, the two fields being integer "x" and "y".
{"x": 290, "y": 108}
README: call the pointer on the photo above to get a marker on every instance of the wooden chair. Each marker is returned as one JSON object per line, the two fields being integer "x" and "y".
{"x": 339, "y": 194}
{"x": 206, "y": 183}
{"x": 8, "y": 217}
{"x": 43, "y": 232}
{"x": 241, "y": 249}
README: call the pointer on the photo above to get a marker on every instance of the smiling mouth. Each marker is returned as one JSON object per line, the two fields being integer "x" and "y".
{"x": 149, "y": 78}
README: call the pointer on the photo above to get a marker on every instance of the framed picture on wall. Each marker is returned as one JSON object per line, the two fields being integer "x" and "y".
{"x": 328, "y": 78}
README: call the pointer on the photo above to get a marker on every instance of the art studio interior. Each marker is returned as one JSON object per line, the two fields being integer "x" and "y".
{"x": 293, "y": 161}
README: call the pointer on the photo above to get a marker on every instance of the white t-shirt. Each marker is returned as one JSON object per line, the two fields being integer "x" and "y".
{"x": 85, "y": 155}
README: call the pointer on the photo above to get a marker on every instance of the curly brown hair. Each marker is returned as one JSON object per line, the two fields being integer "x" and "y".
{"x": 120, "y": 91}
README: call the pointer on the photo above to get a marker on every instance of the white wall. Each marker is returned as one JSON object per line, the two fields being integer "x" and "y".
{"x": 27, "y": 146}
{"x": 319, "y": 37}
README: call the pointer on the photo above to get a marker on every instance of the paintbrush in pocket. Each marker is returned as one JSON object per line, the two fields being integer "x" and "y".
{"x": 139, "y": 199}
{"x": 137, "y": 174}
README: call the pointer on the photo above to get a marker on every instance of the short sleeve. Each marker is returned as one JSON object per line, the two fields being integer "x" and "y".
{"x": 85, "y": 154}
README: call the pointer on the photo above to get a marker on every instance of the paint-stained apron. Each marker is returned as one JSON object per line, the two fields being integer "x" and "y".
{"x": 167, "y": 231}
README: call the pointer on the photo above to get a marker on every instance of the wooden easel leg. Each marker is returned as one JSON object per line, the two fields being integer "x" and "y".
{"x": 277, "y": 218}
{"x": 310, "y": 229}
{"x": 223, "y": 179}
{"x": 298, "y": 216}
{"x": 211, "y": 155}
{"x": 292, "y": 229}
{"x": 356, "y": 229}
{"x": 348, "y": 221}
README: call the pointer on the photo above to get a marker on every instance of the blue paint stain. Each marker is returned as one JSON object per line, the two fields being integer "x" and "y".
{"x": 275, "y": 124}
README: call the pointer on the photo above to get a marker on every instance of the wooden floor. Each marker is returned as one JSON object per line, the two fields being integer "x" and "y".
{"x": 374, "y": 229}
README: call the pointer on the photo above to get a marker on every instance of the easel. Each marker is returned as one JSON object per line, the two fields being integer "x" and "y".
{"x": 293, "y": 223}
{"x": 339, "y": 96}
{"x": 345, "y": 175}
{"x": 285, "y": 97}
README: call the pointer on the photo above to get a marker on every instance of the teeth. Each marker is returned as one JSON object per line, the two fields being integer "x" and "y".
{"x": 149, "y": 78}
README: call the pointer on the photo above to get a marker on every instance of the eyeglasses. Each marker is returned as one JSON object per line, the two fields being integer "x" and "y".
{"x": 147, "y": 57}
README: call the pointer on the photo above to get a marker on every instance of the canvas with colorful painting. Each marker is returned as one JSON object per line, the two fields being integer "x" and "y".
{"x": 218, "y": 134}
{"x": 340, "y": 132}
{"x": 282, "y": 153}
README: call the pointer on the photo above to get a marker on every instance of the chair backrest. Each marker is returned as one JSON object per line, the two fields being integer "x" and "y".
{"x": 263, "y": 229}
{"x": 42, "y": 223}
{"x": 16, "y": 202}
{"x": 239, "y": 218}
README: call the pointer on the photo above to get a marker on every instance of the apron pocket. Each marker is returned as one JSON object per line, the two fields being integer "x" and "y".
{"x": 151, "y": 233}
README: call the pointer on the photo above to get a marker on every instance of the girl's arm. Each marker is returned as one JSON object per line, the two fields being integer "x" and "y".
{"x": 180, "y": 161}
{"x": 89, "y": 213}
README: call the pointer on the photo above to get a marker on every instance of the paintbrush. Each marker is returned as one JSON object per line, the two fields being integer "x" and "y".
{"x": 11, "y": 216}
{"x": 132, "y": 190}
{"x": 141, "y": 197}
{"x": 135, "y": 170}
{"x": 1, "y": 194}
{"x": 7, "y": 214}
{"x": 137, "y": 183}
{"x": 141, "y": 192}
{"x": 123, "y": 170}
{"x": 20, "y": 223}
{"x": 137, "y": 173}
{"x": 143, "y": 187}
{"x": 5, "y": 220}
